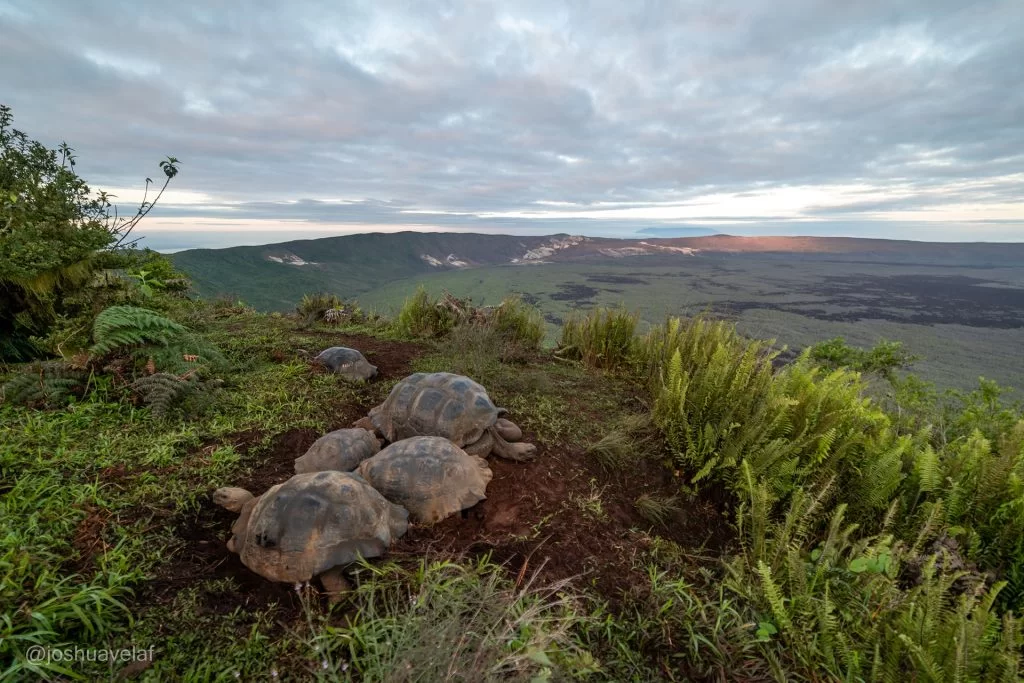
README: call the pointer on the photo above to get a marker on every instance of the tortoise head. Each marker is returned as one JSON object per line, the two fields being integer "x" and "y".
{"x": 231, "y": 498}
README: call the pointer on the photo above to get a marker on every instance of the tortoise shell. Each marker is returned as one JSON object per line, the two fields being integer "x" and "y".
{"x": 340, "y": 450}
{"x": 436, "y": 404}
{"x": 314, "y": 522}
{"x": 429, "y": 476}
{"x": 346, "y": 362}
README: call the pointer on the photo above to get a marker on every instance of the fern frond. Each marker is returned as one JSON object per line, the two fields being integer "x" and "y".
{"x": 121, "y": 327}
{"x": 44, "y": 383}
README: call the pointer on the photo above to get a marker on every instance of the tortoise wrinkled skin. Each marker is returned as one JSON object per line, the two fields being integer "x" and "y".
{"x": 450, "y": 406}
{"x": 341, "y": 450}
{"x": 429, "y": 476}
{"x": 347, "y": 363}
{"x": 312, "y": 523}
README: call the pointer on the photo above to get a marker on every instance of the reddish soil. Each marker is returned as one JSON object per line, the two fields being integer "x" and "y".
{"x": 540, "y": 519}
{"x": 533, "y": 522}
{"x": 88, "y": 540}
{"x": 392, "y": 358}
{"x": 203, "y": 554}
{"x": 536, "y": 521}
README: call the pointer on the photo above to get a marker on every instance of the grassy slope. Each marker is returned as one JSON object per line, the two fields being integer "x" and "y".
{"x": 114, "y": 542}
{"x": 109, "y": 509}
{"x": 349, "y": 265}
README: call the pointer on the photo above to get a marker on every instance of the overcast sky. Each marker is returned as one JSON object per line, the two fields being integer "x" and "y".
{"x": 864, "y": 118}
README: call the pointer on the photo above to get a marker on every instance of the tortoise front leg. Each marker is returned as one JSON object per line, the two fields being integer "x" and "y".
{"x": 335, "y": 584}
{"x": 520, "y": 452}
{"x": 508, "y": 430}
{"x": 482, "y": 447}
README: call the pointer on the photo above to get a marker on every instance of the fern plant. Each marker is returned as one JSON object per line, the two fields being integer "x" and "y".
{"x": 830, "y": 601}
{"x": 164, "y": 391}
{"x": 124, "y": 327}
{"x": 45, "y": 383}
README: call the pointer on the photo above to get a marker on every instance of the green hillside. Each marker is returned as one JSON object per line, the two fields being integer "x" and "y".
{"x": 349, "y": 265}
{"x": 959, "y": 307}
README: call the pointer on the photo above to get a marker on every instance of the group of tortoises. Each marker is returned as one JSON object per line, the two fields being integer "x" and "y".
{"x": 351, "y": 498}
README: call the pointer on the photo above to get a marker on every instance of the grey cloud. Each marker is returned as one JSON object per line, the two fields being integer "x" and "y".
{"x": 488, "y": 107}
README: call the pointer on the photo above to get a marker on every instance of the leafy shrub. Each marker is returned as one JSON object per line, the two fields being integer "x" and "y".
{"x": 162, "y": 362}
{"x": 518, "y": 323}
{"x": 982, "y": 409}
{"x": 601, "y": 339}
{"x": 854, "y": 580}
{"x": 720, "y": 403}
{"x": 55, "y": 234}
{"x": 314, "y": 307}
{"x": 830, "y": 602}
{"x": 422, "y": 317}
{"x": 974, "y": 492}
{"x": 884, "y": 359}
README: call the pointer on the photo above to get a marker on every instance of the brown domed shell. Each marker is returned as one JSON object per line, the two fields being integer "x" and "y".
{"x": 341, "y": 450}
{"x": 429, "y": 476}
{"x": 436, "y": 404}
{"x": 314, "y": 522}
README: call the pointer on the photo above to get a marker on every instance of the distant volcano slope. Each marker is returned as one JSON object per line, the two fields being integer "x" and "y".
{"x": 274, "y": 276}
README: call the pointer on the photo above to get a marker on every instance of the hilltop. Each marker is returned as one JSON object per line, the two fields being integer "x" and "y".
{"x": 693, "y": 513}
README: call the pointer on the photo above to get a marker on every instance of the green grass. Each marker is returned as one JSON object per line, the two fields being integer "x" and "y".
{"x": 836, "y": 510}
{"x": 602, "y": 339}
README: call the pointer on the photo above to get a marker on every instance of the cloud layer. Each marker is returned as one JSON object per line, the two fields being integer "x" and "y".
{"x": 792, "y": 116}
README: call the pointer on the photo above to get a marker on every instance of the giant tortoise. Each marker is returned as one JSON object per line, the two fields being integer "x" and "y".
{"x": 341, "y": 450}
{"x": 450, "y": 406}
{"x": 429, "y": 476}
{"x": 347, "y": 363}
{"x": 313, "y": 524}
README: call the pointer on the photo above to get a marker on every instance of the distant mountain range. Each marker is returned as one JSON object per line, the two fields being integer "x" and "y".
{"x": 274, "y": 276}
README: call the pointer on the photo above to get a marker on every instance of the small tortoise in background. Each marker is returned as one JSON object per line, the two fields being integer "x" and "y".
{"x": 313, "y": 524}
{"x": 450, "y": 406}
{"x": 347, "y": 362}
{"x": 341, "y": 450}
{"x": 429, "y": 476}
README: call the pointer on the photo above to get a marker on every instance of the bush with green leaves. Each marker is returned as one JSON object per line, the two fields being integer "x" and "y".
{"x": 518, "y": 323}
{"x": 720, "y": 403}
{"x": 604, "y": 338}
{"x": 832, "y": 601}
{"x": 166, "y": 363}
{"x": 884, "y": 359}
{"x": 421, "y": 316}
{"x": 55, "y": 234}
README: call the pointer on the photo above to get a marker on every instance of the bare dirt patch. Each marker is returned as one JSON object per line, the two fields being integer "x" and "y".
{"x": 88, "y": 541}
{"x": 564, "y": 518}
{"x": 392, "y": 358}
{"x": 560, "y": 516}
{"x": 202, "y": 553}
